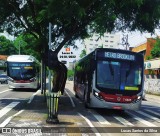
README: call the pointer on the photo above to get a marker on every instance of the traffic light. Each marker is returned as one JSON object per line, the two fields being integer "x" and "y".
{"x": 52, "y": 59}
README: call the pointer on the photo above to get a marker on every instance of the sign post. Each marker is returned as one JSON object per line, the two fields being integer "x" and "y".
{"x": 52, "y": 97}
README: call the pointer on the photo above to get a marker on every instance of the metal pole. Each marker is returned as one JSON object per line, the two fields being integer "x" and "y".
{"x": 49, "y": 74}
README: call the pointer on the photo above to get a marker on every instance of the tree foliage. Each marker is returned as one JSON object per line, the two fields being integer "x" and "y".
{"x": 7, "y": 47}
{"x": 70, "y": 73}
{"x": 26, "y": 44}
{"x": 76, "y": 19}
{"x": 155, "y": 52}
{"x": 83, "y": 53}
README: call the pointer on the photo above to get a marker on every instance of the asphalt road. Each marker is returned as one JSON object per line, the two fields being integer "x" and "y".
{"x": 72, "y": 113}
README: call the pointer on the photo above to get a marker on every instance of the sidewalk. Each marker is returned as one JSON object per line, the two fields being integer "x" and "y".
{"x": 152, "y": 97}
{"x": 35, "y": 114}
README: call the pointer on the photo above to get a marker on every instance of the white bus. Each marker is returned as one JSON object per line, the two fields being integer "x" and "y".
{"x": 110, "y": 78}
{"x": 23, "y": 72}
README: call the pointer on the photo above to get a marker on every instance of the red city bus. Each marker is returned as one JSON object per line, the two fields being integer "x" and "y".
{"x": 110, "y": 78}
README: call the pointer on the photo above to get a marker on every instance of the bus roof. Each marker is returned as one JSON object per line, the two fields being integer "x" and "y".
{"x": 21, "y": 58}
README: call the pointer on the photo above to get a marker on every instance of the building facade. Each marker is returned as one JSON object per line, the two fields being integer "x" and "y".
{"x": 106, "y": 41}
{"x": 145, "y": 48}
{"x": 152, "y": 67}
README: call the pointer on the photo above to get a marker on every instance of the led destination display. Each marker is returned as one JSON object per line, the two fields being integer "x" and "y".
{"x": 119, "y": 56}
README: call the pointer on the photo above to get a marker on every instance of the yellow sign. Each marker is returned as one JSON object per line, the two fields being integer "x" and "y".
{"x": 131, "y": 88}
{"x": 28, "y": 67}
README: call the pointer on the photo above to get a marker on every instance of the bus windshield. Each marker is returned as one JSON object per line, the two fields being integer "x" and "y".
{"x": 122, "y": 75}
{"x": 21, "y": 71}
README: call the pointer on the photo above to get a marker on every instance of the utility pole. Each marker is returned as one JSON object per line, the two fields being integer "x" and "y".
{"x": 52, "y": 97}
{"x": 49, "y": 44}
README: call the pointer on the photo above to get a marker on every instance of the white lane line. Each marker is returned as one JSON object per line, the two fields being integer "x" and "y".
{"x": 101, "y": 119}
{"x": 8, "y": 108}
{"x": 32, "y": 97}
{"x": 4, "y": 123}
{"x": 153, "y": 112}
{"x": 90, "y": 124}
{"x": 149, "y": 116}
{"x": 73, "y": 105}
{"x": 123, "y": 121}
{"x": 21, "y": 99}
{"x": 141, "y": 120}
{"x": 5, "y": 91}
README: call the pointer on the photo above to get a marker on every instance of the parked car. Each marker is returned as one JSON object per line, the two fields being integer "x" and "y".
{"x": 3, "y": 79}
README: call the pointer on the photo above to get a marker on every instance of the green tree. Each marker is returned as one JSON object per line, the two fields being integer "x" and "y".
{"x": 83, "y": 53}
{"x": 26, "y": 44}
{"x": 6, "y": 46}
{"x": 70, "y": 73}
{"x": 75, "y": 19}
{"x": 155, "y": 52}
{"x": 71, "y": 19}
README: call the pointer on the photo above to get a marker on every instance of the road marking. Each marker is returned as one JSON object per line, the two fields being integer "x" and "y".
{"x": 21, "y": 99}
{"x": 142, "y": 120}
{"x": 32, "y": 97}
{"x": 5, "y": 91}
{"x": 153, "y": 112}
{"x": 8, "y": 108}
{"x": 90, "y": 124}
{"x": 123, "y": 121}
{"x": 73, "y": 105}
{"x": 149, "y": 116}
{"x": 101, "y": 119}
{"x": 4, "y": 123}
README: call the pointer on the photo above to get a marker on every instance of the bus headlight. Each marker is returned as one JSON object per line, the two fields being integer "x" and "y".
{"x": 10, "y": 79}
{"x": 97, "y": 95}
{"x": 139, "y": 97}
{"x": 33, "y": 79}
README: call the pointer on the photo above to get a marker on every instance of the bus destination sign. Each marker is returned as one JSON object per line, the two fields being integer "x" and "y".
{"x": 122, "y": 56}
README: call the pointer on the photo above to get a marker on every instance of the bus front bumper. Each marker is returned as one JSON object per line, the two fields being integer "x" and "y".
{"x": 96, "y": 103}
{"x": 31, "y": 85}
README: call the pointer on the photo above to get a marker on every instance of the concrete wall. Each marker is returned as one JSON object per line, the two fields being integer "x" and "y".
{"x": 152, "y": 86}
